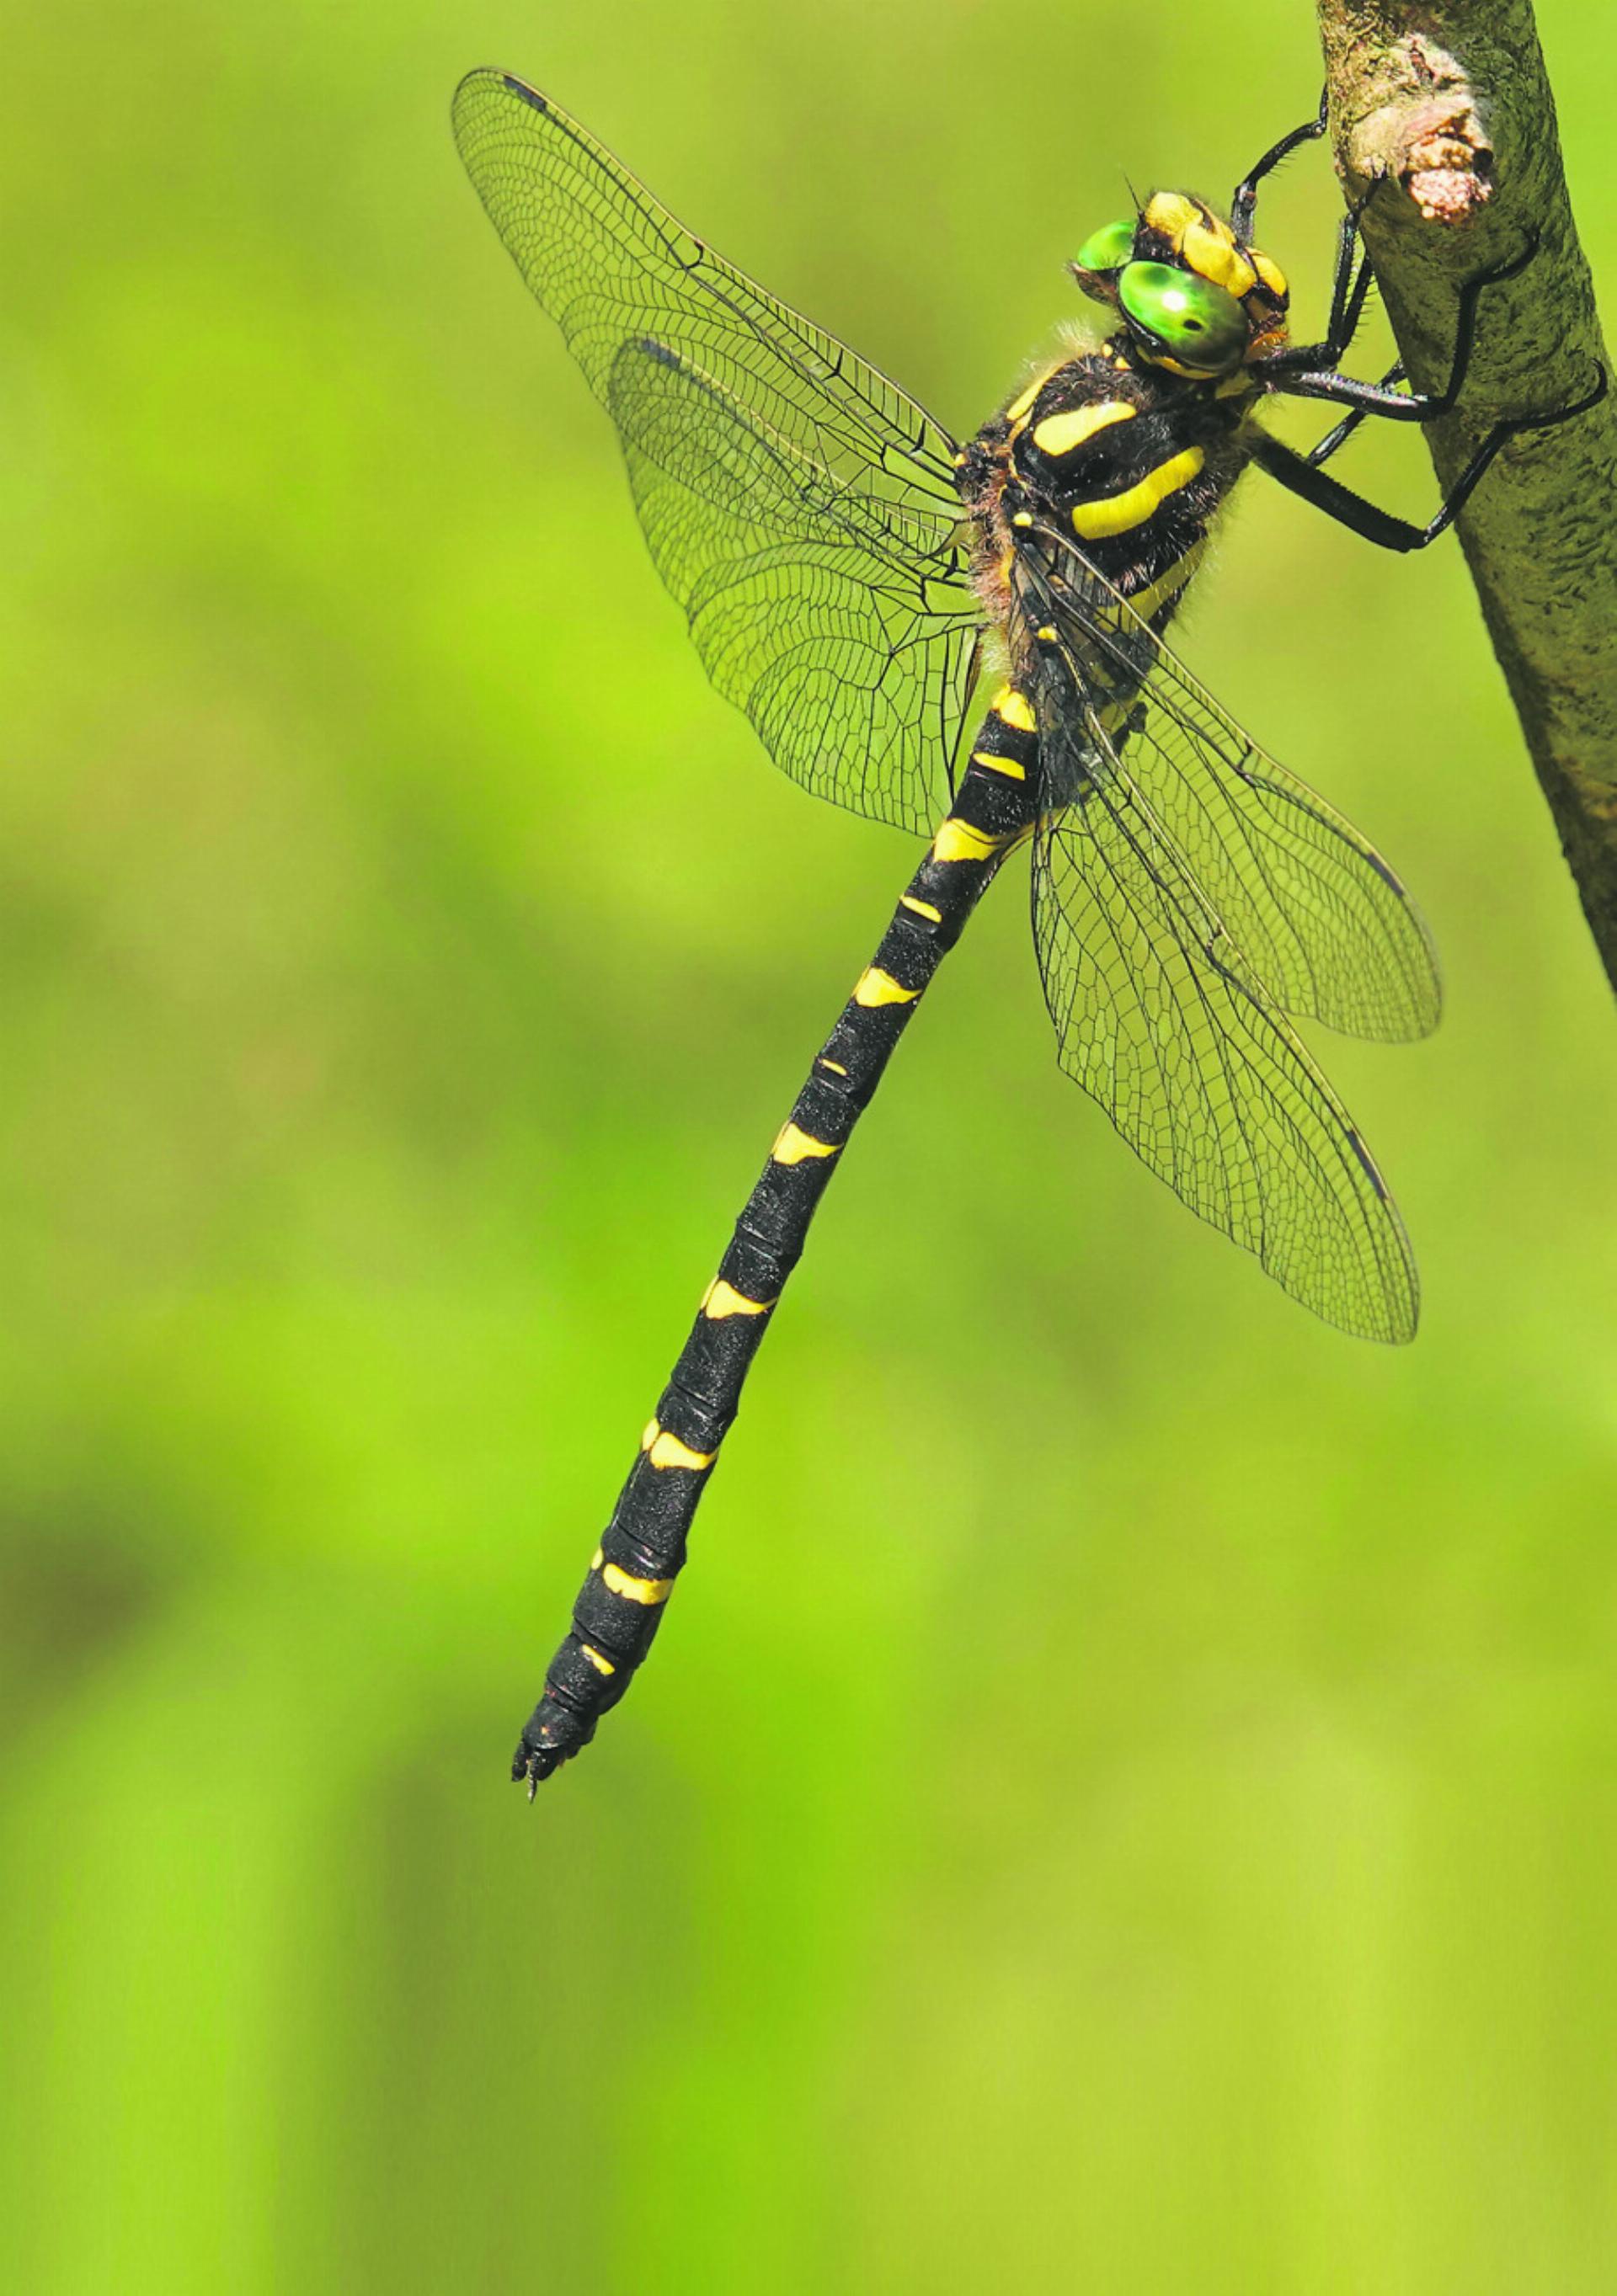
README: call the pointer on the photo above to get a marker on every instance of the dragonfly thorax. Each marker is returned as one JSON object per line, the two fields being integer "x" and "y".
{"x": 1102, "y": 460}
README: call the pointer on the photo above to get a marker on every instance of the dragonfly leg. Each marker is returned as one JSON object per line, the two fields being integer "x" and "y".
{"x": 1303, "y": 476}
{"x": 1334, "y": 440}
{"x": 1243, "y": 199}
{"x": 1300, "y": 373}
{"x": 1351, "y": 276}
{"x": 1351, "y": 280}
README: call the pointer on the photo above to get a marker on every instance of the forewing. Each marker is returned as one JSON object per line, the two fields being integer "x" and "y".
{"x": 1313, "y": 918}
{"x": 1157, "y": 1018}
{"x": 798, "y": 505}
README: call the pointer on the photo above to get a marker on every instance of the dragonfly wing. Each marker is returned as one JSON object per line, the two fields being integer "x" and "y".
{"x": 1314, "y": 918}
{"x": 1157, "y": 1018}
{"x": 798, "y": 505}
{"x": 845, "y": 639}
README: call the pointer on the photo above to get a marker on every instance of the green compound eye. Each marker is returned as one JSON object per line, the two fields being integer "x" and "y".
{"x": 1197, "y": 324}
{"x": 1110, "y": 248}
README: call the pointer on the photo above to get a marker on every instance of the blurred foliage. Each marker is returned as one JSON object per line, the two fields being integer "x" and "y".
{"x": 1125, "y": 1800}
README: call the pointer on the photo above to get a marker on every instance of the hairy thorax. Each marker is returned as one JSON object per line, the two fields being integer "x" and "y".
{"x": 1126, "y": 462}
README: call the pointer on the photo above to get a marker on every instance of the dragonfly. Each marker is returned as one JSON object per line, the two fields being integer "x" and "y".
{"x": 852, "y": 575}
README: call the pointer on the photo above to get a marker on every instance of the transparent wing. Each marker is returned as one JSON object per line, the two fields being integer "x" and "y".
{"x": 1157, "y": 1016}
{"x": 798, "y": 505}
{"x": 1313, "y": 918}
{"x": 850, "y": 645}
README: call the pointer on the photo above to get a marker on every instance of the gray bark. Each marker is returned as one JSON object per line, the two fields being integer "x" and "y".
{"x": 1450, "y": 104}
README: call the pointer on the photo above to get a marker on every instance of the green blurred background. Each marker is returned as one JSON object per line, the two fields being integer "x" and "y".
{"x": 1165, "y": 1842}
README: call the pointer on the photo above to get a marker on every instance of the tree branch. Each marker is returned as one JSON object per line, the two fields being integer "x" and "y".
{"x": 1450, "y": 102}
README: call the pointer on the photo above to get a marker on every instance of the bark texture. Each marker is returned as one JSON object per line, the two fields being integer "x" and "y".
{"x": 1450, "y": 104}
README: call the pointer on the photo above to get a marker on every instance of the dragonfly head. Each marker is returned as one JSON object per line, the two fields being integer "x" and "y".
{"x": 1194, "y": 299}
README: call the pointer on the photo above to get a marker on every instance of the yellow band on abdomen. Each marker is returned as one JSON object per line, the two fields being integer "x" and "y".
{"x": 793, "y": 1145}
{"x": 721, "y": 1300}
{"x": 632, "y": 1589}
{"x": 957, "y": 840}
{"x": 1013, "y": 709}
{"x": 874, "y": 987}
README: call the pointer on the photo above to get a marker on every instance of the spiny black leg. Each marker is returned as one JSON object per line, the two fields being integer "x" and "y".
{"x": 1349, "y": 288}
{"x": 1281, "y": 373}
{"x": 1348, "y": 296}
{"x": 1302, "y": 476}
{"x": 1244, "y": 199}
{"x": 1349, "y": 292}
{"x": 1345, "y": 428}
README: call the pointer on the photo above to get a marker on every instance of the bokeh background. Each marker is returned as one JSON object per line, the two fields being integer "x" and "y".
{"x": 1125, "y": 1799}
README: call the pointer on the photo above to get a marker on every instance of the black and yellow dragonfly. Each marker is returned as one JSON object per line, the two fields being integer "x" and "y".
{"x": 849, "y": 573}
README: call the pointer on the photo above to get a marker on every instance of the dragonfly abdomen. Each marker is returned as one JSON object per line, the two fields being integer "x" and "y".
{"x": 642, "y": 1549}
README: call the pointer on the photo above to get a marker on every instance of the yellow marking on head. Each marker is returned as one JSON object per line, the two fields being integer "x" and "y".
{"x": 1211, "y": 251}
{"x": 1059, "y": 434}
{"x": 1008, "y": 766}
{"x": 1146, "y": 602}
{"x": 1013, "y": 709}
{"x": 1021, "y": 406}
{"x": 668, "y": 1451}
{"x": 1235, "y": 386}
{"x": 1172, "y": 214}
{"x": 874, "y": 987}
{"x": 1093, "y": 521}
{"x": 793, "y": 1146}
{"x": 602, "y": 1665}
{"x": 1271, "y": 274}
{"x": 835, "y": 1067}
{"x": 922, "y": 909}
{"x": 721, "y": 1300}
{"x": 957, "y": 840}
{"x": 648, "y": 1591}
